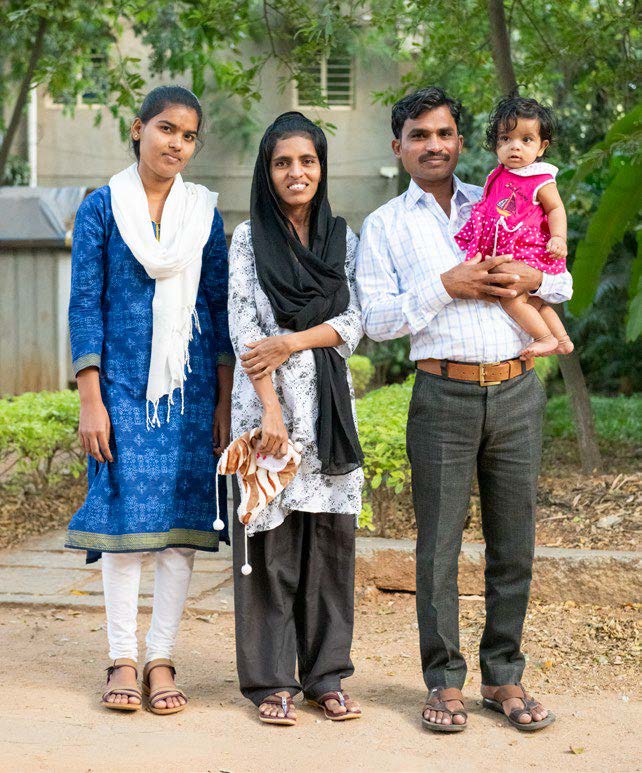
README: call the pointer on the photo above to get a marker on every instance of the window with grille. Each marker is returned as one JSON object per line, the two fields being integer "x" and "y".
{"x": 329, "y": 80}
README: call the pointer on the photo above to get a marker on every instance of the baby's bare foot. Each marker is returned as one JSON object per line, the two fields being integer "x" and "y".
{"x": 564, "y": 346}
{"x": 542, "y": 347}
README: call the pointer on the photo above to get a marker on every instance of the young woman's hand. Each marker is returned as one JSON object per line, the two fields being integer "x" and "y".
{"x": 266, "y": 355}
{"x": 222, "y": 422}
{"x": 94, "y": 429}
{"x": 274, "y": 435}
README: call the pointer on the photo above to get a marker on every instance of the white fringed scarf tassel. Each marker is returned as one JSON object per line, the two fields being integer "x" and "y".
{"x": 175, "y": 263}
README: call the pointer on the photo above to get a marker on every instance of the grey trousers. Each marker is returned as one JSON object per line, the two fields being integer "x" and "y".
{"x": 455, "y": 429}
{"x": 298, "y": 601}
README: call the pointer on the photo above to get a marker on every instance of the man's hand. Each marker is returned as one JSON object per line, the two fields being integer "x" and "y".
{"x": 473, "y": 279}
{"x": 529, "y": 278}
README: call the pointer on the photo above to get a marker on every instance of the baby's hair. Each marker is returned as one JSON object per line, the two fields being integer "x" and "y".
{"x": 413, "y": 105}
{"x": 162, "y": 97}
{"x": 509, "y": 109}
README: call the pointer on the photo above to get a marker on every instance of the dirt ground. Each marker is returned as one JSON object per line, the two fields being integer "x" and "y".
{"x": 582, "y": 663}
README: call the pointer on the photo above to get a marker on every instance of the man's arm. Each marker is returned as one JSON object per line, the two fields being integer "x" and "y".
{"x": 386, "y": 311}
{"x": 551, "y": 288}
{"x": 389, "y": 313}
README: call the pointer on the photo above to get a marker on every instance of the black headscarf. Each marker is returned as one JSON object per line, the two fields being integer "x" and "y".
{"x": 306, "y": 287}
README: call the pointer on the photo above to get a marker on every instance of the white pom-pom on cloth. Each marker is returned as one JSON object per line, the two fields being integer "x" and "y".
{"x": 218, "y": 525}
{"x": 246, "y": 568}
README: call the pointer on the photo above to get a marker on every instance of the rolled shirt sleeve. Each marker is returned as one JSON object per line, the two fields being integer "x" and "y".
{"x": 555, "y": 288}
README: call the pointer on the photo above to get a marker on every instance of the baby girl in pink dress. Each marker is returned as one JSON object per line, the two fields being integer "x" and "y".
{"x": 521, "y": 213}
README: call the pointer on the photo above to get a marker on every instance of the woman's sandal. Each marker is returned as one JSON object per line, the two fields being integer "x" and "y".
{"x": 130, "y": 692}
{"x": 163, "y": 692}
{"x": 285, "y": 703}
{"x": 341, "y": 698}
{"x": 437, "y": 702}
{"x": 509, "y": 691}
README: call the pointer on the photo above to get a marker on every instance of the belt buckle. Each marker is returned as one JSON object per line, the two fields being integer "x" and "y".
{"x": 482, "y": 374}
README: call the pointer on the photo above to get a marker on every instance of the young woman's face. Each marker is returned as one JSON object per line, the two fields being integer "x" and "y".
{"x": 295, "y": 171}
{"x": 167, "y": 141}
{"x": 522, "y": 145}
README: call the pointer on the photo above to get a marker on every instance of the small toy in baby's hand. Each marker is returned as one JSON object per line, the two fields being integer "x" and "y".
{"x": 261, "y": 476}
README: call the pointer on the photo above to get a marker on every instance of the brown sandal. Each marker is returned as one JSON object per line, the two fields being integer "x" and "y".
{"x": 164, "y": 691}
{"x": 130, "y": 692}
{"x": 285, "y": 703}
{"x": 341, "y": 698}
{"x": 517, "y": 691}
{"x": 437, "y": 702}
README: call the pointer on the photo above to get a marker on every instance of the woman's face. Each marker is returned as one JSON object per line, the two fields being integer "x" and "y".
{"x": 167, "y": 141}
{"x": 295, "y": 171}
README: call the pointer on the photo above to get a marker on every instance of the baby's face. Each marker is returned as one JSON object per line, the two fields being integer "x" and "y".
{"x": 521, "y": 145}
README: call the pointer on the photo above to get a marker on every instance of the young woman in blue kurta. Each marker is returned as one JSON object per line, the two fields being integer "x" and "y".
{"x": 151, "y": 488}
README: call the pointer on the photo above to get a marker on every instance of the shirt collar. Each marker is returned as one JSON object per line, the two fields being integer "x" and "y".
{"x": 461, "y": 193}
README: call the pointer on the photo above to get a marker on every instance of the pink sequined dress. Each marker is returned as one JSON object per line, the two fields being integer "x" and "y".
{"x": 509, "y": 219}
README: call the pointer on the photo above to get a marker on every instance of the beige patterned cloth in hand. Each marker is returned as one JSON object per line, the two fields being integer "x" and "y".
{"x": 261, "y": 477}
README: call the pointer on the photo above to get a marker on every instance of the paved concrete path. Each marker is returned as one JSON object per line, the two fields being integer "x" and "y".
{"x": 41, "y": 572}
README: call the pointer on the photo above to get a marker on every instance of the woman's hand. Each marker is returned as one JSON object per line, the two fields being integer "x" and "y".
{"x": 94, "y": 429}
{"x": 222, "y": 422}
{"x": 266, "y": 355}
{"x": 274, "y": 435}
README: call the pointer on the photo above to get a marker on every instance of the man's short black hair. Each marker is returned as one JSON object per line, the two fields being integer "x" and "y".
{"x": 509, "y": 109}
{"x": 413, "y": 105}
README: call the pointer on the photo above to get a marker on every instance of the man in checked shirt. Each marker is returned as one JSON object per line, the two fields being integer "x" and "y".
{"x": 475, "y": 407}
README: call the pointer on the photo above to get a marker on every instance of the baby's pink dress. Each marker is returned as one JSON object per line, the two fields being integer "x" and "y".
{"x": 509, "y": 220}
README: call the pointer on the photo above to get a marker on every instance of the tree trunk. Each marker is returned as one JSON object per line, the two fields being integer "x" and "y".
{"x": 21, "y": 99}
{"x": 500, "y": 47}
{"x": 590, "y": 457}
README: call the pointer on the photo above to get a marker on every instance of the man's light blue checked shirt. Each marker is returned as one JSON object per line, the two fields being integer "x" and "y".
{"x": 405, "y": 245}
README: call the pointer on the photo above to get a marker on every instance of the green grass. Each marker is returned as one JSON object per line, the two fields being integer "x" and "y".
{"x": 617, "y": 419}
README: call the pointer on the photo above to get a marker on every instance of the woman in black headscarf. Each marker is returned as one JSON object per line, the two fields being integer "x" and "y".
{"x": 294, "y": 321}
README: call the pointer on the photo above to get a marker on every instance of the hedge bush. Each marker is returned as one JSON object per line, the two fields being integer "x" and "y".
{"x": 383, "y": 414}
{"x": 38, "y": 435}
{"x": 362, "y": 371}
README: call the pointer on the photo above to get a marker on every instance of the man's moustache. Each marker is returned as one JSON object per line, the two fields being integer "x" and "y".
{"x": 433, "y": 157}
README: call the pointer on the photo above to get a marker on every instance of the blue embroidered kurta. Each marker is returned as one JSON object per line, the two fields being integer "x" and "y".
{"x": 159, "y": 491}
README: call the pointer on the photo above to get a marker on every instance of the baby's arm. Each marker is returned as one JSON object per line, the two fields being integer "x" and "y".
{"x": 549, "y": 197}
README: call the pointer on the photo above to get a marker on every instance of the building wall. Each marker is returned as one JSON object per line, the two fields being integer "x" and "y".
{"x": 34, "y": 295}
{"x": 73, "y": 151}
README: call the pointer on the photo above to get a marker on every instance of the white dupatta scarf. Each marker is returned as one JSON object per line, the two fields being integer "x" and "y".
{"x": 175, "y": 263}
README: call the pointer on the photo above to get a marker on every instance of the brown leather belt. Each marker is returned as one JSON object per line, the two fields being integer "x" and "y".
{"x": 484, "y": 373}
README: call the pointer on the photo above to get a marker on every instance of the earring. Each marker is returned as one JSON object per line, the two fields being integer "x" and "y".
{"x": 135, "y": 136}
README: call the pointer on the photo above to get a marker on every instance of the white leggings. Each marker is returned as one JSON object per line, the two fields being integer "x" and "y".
{"x": 121, "y": 580}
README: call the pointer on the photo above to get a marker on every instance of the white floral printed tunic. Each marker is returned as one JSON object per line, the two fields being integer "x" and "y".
{"x": 250, "y": 319}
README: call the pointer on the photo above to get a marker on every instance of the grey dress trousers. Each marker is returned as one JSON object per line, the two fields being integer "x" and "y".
{"x": 457, "y": 429}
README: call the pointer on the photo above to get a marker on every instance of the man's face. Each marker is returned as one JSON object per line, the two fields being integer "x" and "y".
{"x": 429, "y": 147}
